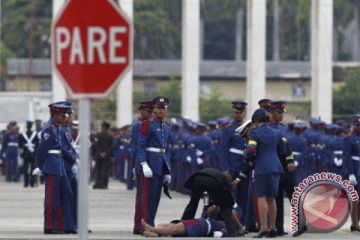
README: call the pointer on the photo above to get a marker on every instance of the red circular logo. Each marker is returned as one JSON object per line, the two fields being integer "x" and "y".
{"x": 325, "y": 206}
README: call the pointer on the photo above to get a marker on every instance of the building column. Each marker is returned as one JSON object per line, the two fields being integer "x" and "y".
{"x": 57, "y": 88}
{"x": 256, "y": 54}
{"x": 321, "y": 59}
{"x": 356, "y": 39}
{"x": 276, "y": 24}
{"x": 239, "y": 36}
{"x": 124, "y": 111}
{"x": 190, "y": 58}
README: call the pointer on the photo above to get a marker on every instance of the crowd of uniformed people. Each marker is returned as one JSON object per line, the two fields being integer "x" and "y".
{"x": 152, "y": 154}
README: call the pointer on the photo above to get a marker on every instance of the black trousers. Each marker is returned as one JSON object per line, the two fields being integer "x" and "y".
{"x": 102, "y": 169}
{"x": 287, "y": 184}
{"x": 28, "y": 167}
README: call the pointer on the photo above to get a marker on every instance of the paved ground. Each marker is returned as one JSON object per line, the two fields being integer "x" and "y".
{"x": 110, "y": 217}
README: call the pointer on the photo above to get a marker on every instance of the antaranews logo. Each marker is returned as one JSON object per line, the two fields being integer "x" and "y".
{"x": 321, "y": 203}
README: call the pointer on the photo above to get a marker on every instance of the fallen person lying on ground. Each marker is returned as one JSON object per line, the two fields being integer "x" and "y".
{"x": 198, "y": 227}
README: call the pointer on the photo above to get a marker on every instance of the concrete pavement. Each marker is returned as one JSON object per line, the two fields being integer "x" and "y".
{"x": 111, "y": 214}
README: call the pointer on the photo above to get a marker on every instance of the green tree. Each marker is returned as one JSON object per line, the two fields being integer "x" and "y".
{"x": 346, "y": 99}
{"x": 16, "y": 26}
{"x": 213, "y": 107}
{"x": 5, "y": 54}
{"x": 158, "y": 28}
{"x": 215, "y": 10}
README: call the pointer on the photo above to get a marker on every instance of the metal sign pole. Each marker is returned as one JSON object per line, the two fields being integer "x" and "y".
{"x": 84, "y": 169}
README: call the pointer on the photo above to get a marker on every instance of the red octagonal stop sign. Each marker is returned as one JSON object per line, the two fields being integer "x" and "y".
{"x": 91, "y": 47}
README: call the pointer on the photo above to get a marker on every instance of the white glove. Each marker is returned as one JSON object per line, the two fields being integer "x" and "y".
{"x": 75, "y": 170}
{"x": 167, "y": 178}
{"x": 199, "y": 153}
{"x": 340, "y": 163}
{"x": 188, "y": 159}
{"x": 147, "y": 170}
{"x": 336, "y": 161}
{"x": 199, "y": 161}
{"x": 37, "y": 172}
{"x": 218, "y": 234}
{"x": 296, "y": 163}
{"x": 352, "y": 179}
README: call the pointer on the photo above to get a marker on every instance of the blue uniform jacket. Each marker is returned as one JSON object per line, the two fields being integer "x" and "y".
{"x": 50, "y": 140}
{"x": 134, "y": 138}
{"x": 203, "y": 148}
{"x": 297, "y": 143}
{"x": 264, "y": 143}
{"x": 232, "y": 149}
{"x": 154, "y": 135}
{"x": 10, "y": 146}
{"x": 118, "y": 148}
{"x": 280, "y": 127}
{"x": 67, "y": 150}
{"x": 128, "y": 146}
{"x": 350, "y": 147}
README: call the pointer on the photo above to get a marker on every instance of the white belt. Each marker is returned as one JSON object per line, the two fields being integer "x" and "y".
{"x": 296, "y": 153}
{"x": 13, "y": 144}
{"x": 54, "y": 151}
{"x": 237, "y": 151}
{"x": 209, "y": 227}
{"x": 356, "y": 158}
{"x": 338, "y": 152}
{"x": 154, "y": 149}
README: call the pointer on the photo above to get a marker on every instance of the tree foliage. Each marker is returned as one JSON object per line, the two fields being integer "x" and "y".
{"x": 158, "y": 28}
{"x": 213, "y": 106}
{"x": 16, "y": 26}
{"x": 5, "y": 54}
{"x": 346, "y": 99}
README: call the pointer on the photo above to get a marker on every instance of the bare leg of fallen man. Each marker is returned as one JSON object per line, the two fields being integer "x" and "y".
{"x": 163, "y": 229}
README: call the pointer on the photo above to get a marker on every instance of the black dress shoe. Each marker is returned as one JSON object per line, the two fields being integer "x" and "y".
{"x": 354, "y": 229}
{"x": 272, "y": 233}
{"x": 262, "y": 234}
{"x": 253, "y": 229}
{"x": 281, "y": 234}
{"x": 71, "y": 232}
{"x": 50, "y": 231}
{"x": 137, "y": 232}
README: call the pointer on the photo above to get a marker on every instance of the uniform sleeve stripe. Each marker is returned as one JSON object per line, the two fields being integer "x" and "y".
{"x": 251, "y": 149}
{"x": 252, "y": 142}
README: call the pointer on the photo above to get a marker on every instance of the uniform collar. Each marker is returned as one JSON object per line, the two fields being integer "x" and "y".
{"x": 159, "y": 120}
{"x": 237, "y": 124}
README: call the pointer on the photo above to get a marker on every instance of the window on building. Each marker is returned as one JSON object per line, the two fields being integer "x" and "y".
{"x": 149, "y": 88}
{"x": 299, "y": 90}
{"x": 45, "y": 86}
